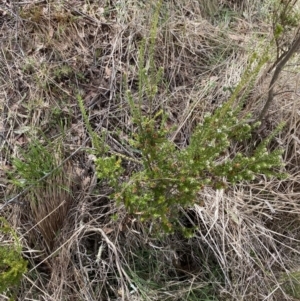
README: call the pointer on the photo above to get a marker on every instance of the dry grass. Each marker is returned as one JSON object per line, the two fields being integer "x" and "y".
{"x": 248, "y": 235}
{"x": 50, "y": 203}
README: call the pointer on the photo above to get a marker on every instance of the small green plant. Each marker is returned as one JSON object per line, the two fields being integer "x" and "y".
{"x": 12, "y": 265}
{"x": 97, "y": 142}
{"x": 35, "y": 163}
{"x": 170, "y": 177}
{"x": 62, "y": 72}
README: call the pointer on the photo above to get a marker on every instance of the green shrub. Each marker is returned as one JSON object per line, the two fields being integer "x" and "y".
{"x": 170, "y": 177}
{"x": 12, "y": 265}
{"x": 36, "y": 163}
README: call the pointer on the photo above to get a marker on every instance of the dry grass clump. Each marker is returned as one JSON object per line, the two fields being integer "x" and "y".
{"x": 80, "y": 245}
{"x": 51, "y": 202}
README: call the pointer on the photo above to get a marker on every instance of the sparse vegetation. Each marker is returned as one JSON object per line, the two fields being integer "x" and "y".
{"x": 124, "y": 120}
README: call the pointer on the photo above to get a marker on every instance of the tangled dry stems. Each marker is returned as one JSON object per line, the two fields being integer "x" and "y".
{"x": 51, "y": 202}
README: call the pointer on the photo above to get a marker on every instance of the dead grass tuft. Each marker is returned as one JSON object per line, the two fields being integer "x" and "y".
{"x": 51, "y": 202}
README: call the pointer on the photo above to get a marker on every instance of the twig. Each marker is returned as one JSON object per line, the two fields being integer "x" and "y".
{"x": 277, "y": 71}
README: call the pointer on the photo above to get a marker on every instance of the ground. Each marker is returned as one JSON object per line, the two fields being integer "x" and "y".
{"x": 65, "y": 72}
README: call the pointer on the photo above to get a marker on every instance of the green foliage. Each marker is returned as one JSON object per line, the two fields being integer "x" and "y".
{"x": 98, "y": 144}
{"x": 170, "y": 177}
{"x": 12, "y": 265}
{"x": 110, "y": 169}
{"x": 36, "y": 162}
{"x": 63, "y": 71}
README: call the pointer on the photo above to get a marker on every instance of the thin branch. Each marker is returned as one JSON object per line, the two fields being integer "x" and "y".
{"x": 277, "y": 71}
